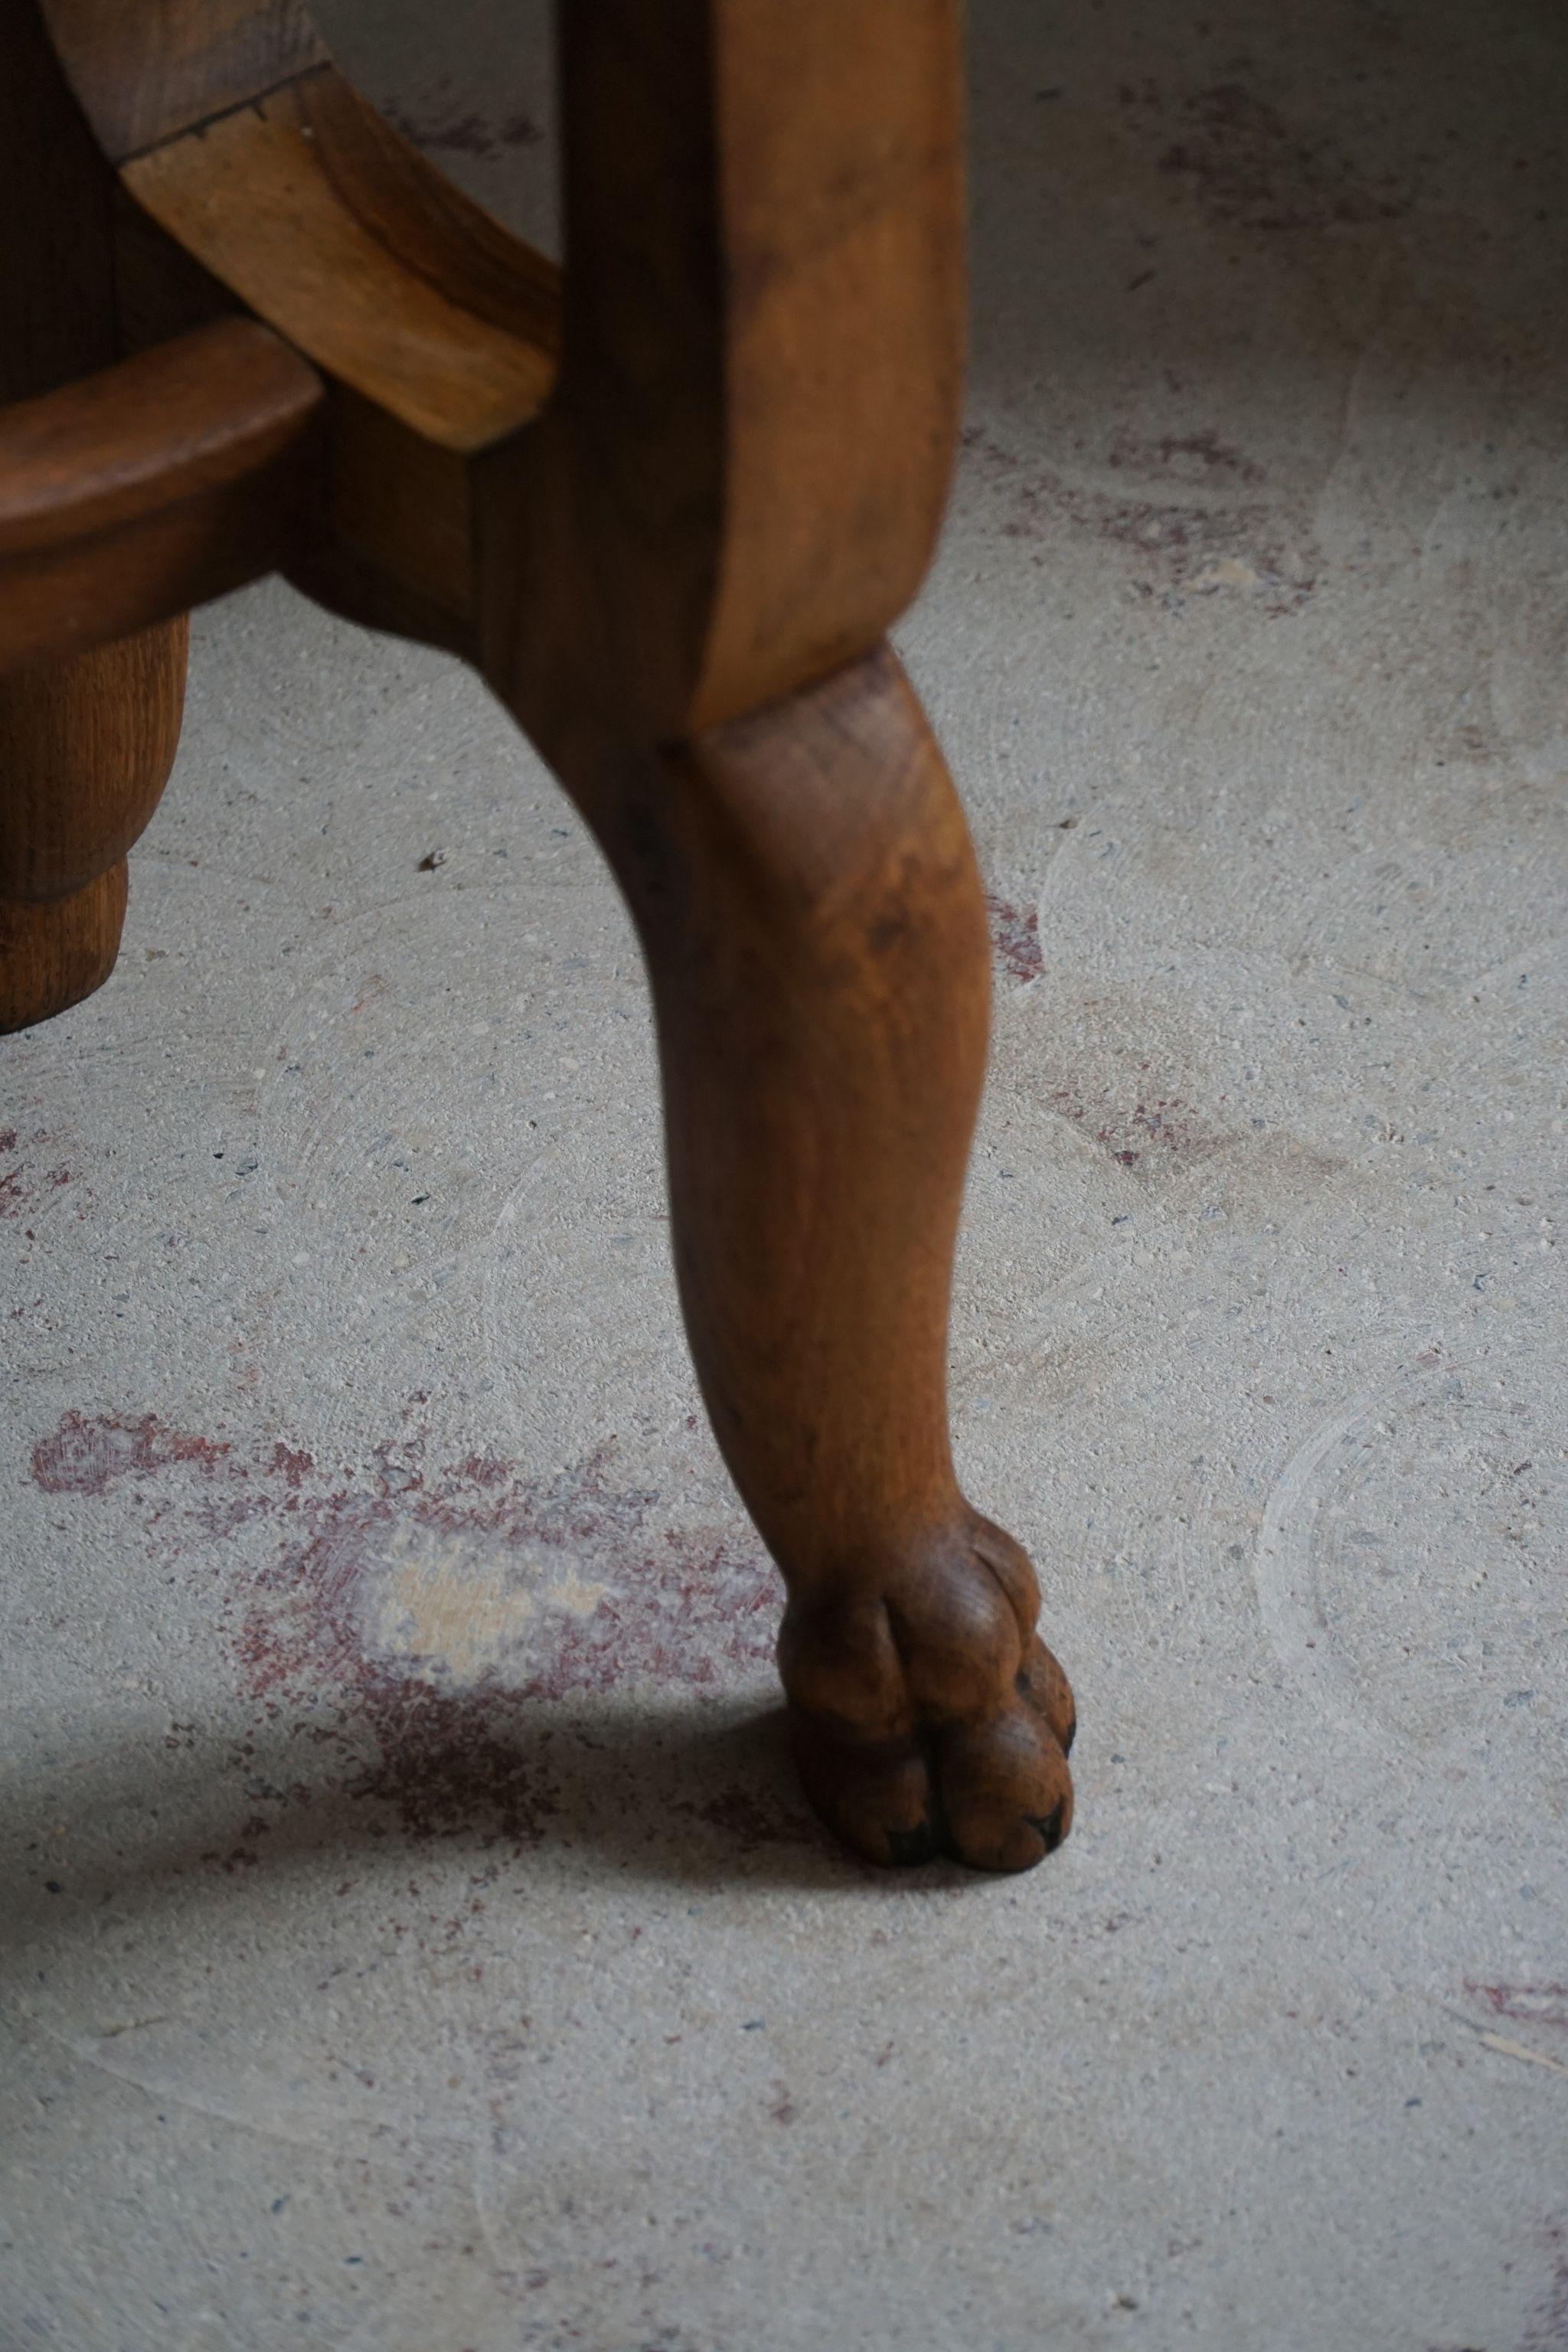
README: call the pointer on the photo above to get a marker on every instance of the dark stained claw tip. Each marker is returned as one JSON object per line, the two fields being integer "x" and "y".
{"x": 909, "y": 1848}
{"x": 1050, "y": 1825}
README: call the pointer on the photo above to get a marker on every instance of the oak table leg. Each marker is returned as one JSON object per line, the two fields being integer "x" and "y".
{"x": 808, "y": 899}
{"x": 85, "y": 746}
{"x": 687, "y": 572}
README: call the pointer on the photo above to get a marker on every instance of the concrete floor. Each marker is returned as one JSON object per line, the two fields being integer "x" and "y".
{"x": 415, "y": 1942}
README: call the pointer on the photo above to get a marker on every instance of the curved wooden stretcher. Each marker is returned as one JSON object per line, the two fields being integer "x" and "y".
{"x": 669, "y": 504}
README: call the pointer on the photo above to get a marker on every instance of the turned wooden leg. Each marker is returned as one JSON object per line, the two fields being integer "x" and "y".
{"x": 808, "y": 902}
{"x": 86, "y": 743}
{"x": 85, "y": 746}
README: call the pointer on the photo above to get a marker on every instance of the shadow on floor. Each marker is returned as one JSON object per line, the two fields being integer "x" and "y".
{"x": 689, "y": 1795}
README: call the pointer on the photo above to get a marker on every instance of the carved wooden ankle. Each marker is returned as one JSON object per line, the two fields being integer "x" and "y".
{"x": 808, "y": 901}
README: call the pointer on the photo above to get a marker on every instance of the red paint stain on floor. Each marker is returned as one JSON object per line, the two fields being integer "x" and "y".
{"x": 1251, "y": 169}
{"x": 1154, "y": 1126}
{"x": 439, "y": 129}
{"x": 578, "y": 1586}
{"x": 27, "y": 1183}
{"x": 1015, "y": 938}
{"x": 1192, "y": 537}
{"x": 1530, "y": 2004}
{"x": 88, "y": 1458}
{"x": 782, "y": 2107}
{"x": 294, "y": 1465}
{"x": 1186, "y": 457}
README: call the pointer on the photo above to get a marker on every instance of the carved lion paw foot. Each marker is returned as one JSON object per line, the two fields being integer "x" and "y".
{"x": 926, "y": 1715}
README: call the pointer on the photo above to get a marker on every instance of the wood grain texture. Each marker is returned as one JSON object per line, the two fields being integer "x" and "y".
{"x": 54, "y": 952}
{"x": 84, "y": 743}
{"x": 336, "y": 232}
{"x": 147, "y": 70}
{"x": 57, "y": 277}
{"x": 806, "y": 895}
{"x": 436, "y": 331}
{"x": 763, "y": 353}
{"x": 160, "y": 290}
{"x": 139, "y": 490}
{"x": 85, "y": 747}
{"x": 395, "y": 550}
